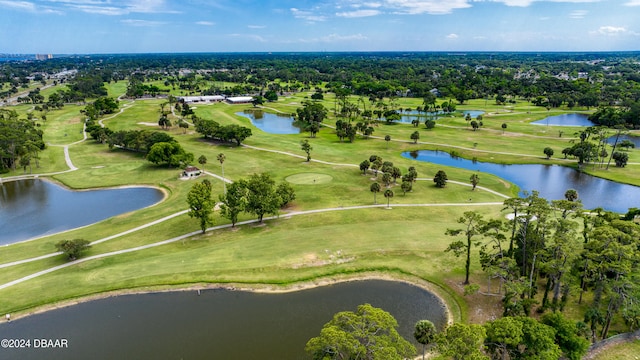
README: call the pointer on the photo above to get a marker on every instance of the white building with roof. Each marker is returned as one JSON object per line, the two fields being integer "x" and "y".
{"x": 240, "y": 99}
{"x": 196, "y": 99}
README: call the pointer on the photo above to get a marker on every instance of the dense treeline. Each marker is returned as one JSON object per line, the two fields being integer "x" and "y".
{"x": 548, "y": 79}
{"x": 20, "y": 141}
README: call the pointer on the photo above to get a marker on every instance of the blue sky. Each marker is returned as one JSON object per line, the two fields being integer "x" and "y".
{"x": 139, "y": 26}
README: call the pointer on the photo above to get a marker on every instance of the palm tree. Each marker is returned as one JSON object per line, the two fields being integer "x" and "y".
{"x": 202, "y": 160}
{"x": 375, "y": 188}
{"x": 221, "y": 158}
{"x": 424, "y": 333}
{"x": 388, "y": 194}
{"x": 387, "y": 138}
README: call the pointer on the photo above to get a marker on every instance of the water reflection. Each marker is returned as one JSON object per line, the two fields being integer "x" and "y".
{"x": 565, "y": 120}
{"x": 31, "y": 208}
{"x": 217, "y": 324}
{"x": 550, "y": 180}
{"x": 271, "y": 123}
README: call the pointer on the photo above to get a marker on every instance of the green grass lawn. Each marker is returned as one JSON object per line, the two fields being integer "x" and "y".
{"x": 401, "y": 241}
{"x": 625, "y": 351}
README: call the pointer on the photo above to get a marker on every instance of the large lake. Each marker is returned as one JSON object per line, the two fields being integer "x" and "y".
{"x": 217, "y": 324}
{"x": 33, "y": 208}
{"x": 552, "y": 181}
{"x": 271, "y": 123}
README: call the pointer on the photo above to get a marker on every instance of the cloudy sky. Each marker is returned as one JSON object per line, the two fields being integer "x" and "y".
{"x": 126, "y": 26}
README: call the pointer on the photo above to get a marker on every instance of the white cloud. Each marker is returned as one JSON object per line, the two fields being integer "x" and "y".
{"x": 359, "y": 13}
{"x": 452, "y": 36}
{"x": 19, "y": 5}
{"x": 434, "y": 7}
{"x": 205, "y": 23}
{"x": 525, "y": 3}
{"x": 116, "y": 7}
{"x": 611, "y": 30}
{"x": 307, "y": 15}
{"x": 578, "y": 14}
{"x": 142, "y": 23}
{"x": 632, "y": 3}
{"x": 256, "y": 26}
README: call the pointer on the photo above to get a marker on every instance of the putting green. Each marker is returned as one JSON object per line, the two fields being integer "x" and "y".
{"x": 309, "y": 178}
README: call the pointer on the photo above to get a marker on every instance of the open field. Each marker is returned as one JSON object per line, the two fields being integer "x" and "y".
{"x": 300, "y": 245}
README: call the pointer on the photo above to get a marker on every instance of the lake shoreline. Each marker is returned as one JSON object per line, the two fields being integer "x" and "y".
{"x": 257, "y": 288}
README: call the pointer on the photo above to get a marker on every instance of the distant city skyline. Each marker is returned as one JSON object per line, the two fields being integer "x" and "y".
{"x": 152, "y": 26}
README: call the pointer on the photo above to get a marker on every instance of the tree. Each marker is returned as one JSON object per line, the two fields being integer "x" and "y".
{"x": 369, "y": 333}
{"x": 440, "y": 179}
{"x": 233, "y": 201}
{"x": 571, "y": 343}
{"x": 462, "y": 342}
{"x": 170, "y": 153}
{"x": 221, "y": 158}
{"x": 475, "y": 125}
{"x": 406, "y": 187}
{"x": 626, "y": 144}
{"x": 202, "y": 160}
{"x": 521, "y": 338}
{"x": 475, "y": 180}
{"x": 375, "y": 188}
{"x": 549, "y": 152}
{"x": 286, "y": 193}
{"x": 387, "y": 138}
{"x": 73, "y": 248}
{"x": 364, "y": 166}
{"x": 183, "y": 125}
{"x": 271, "y": 95}
{"x": 201, "y": 204}
{"x": 306, "y": 147}
{"x": 257, "y": 100}
{"x": 424, "y": 332}
{"x": 620, "y": 158}
{"x": 504, "y": 127}
{"x": 473, "y": 224}
{"x": 388, "y": 194}
{"x": 571, "y": 195}
{"x": 415, "y": 136}
{"x": 429, "y": 124}
{"x": 262, "y": 197}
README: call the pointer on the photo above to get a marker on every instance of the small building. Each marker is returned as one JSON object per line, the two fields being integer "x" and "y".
{"x": 240, "y": 99}
{"x": 191, "y": 171}
{"x": 203, "y": 98}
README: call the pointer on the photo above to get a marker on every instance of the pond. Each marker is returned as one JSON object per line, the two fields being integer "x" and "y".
{"x": 271, "y": 123}
{"x": 565, "y": 120}
{"x": 215, "y": 324}
{"x": 634, "y": 139}
{"x": 409, "y": 116}
{"x": 33, "y": 208}
{"x": 551, "y": 181}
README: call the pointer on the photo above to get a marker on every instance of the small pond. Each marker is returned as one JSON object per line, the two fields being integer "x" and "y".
{"x": 551, "y": 181}
{"x": 565, "y": 120}
{"x": 215, "y": 324}
{"x": 634, "y": 139}
{"x": 271, "y": 123}
{"x": 409, "y": 116}
{"x": 32, "y": 208}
